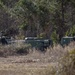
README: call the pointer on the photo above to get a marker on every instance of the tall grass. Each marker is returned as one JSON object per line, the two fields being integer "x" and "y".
{"x": 61, "y": 60}
{"x": 14, "y": 49}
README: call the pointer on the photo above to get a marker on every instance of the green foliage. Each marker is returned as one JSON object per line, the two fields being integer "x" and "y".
{"x": 23, "y": 26}
{"x": 9, "y": 3}
{"x": 42, "y": 35}
{"x": 39, "y": 16}
{"x": 71, "y": 32}
{"x": 72, "y": 52}
{"x": 1, "y": 5}
{"x": 54, "y": 37}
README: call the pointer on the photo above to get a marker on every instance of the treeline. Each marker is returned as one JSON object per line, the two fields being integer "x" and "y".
{"x": 42, "y": 18}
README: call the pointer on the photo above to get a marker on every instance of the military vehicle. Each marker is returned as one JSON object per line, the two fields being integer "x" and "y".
{"x": 38, "y": 43}
{"x": 5, "y": 40}
{"x": 66, "y": 40}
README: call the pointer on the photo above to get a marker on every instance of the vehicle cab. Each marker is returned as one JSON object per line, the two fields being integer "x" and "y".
{"x": 66, "y": 40}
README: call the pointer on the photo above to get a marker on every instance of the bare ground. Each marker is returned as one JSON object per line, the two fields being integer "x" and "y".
{"x": 22, "y": 65}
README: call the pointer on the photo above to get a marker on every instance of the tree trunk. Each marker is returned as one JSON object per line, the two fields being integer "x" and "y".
{"x": 62, "y": 23}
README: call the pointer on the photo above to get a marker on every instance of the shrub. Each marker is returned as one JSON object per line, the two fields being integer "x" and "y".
{"x": 68, "y": 64}
{"x": 13, "y": 49}
{"x": 6, "y": 50}
{"x": 22, "y": 49}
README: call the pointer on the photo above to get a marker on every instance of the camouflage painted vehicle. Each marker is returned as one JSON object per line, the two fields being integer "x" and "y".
{"x": 38, "y": 43}
{"x": 5, "y": 40}
{"x": 67, "y": 40}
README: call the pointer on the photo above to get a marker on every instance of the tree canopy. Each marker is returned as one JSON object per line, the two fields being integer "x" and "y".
{"x": 42, "y": 18}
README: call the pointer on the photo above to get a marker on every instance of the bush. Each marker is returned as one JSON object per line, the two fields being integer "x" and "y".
{"x": 23, "y": 49}
{"x": 6, "y": 50}
{"x": 54, "y": 37}
{"x": 68, "y": 64}
{"x": 13, "y": 49}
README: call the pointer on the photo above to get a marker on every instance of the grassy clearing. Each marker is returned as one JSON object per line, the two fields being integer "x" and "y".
{"x": 55, "y": 61}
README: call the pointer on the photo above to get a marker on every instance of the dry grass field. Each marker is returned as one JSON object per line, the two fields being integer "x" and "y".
{"x": 35, "y": 63}
{"x": 23, "y": 65}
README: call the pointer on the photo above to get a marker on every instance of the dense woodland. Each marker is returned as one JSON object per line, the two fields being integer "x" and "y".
{"x": 42, "y": 18}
